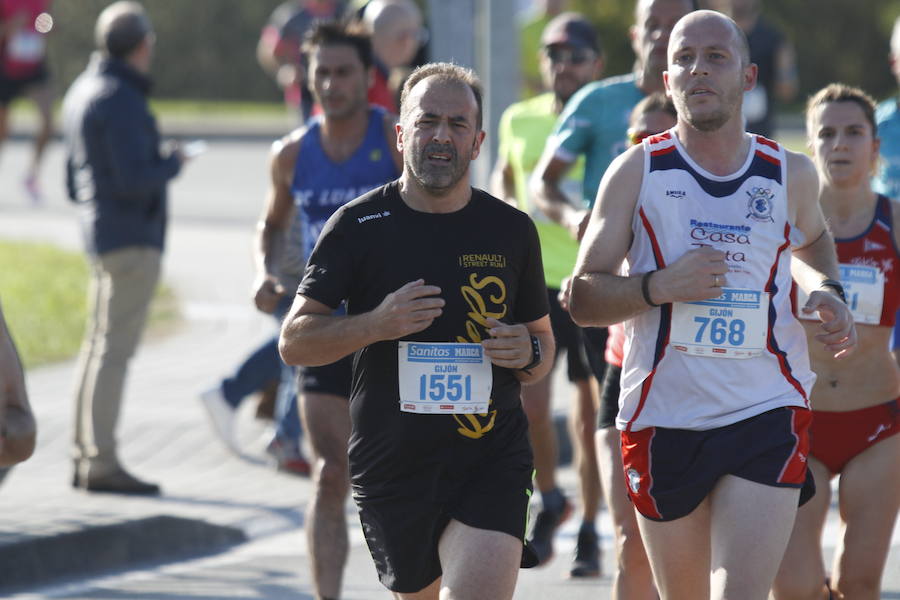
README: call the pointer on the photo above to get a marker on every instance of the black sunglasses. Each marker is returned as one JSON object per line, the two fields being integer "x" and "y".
{"x": 572, "y": 56}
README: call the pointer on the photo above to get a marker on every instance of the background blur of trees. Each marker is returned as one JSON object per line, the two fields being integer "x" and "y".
{"x": 206, "y": 48}
{"x": 836, "y": 40}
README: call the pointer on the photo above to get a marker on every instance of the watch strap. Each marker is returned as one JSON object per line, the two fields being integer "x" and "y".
{"x": 535, "y": 355}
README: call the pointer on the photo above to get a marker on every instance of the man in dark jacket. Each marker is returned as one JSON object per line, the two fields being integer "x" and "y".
{"x": 115, "y": 167}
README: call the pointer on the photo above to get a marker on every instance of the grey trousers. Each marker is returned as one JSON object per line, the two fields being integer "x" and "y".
{"x": 121, "y": 288}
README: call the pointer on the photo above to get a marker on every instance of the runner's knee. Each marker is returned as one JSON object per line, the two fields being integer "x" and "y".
{"x": 859, "y": 584}
{"x": 630, "y": 550}
{"x": 797, "y": 587}
{"x": 333, "y": 479}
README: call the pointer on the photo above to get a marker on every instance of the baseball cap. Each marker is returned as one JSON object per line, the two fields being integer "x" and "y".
{"x": 571, "y": 29}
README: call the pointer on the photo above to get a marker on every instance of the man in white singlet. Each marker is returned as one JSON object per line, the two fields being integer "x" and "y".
{"x": 712, "y": 223}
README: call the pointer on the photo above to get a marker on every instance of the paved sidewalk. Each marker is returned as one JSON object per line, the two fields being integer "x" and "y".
{"x": 211, "y": 498}
{"x": 164, "y": 434}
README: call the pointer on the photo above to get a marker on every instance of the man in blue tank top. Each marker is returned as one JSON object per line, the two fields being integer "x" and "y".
{"x": 343, "y": 153}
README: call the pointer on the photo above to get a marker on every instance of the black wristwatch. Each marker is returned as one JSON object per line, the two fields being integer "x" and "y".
{"x": 535, "y": 355}
{"x": 836, "y": 286}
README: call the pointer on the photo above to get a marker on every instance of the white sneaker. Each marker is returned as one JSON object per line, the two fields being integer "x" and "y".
{"x": 221, "y": 415}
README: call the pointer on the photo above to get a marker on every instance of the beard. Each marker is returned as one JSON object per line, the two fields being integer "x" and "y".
{"x": 438, "y": 179}
{"x": 708, "y": 122}
{"x": 714, "y": 119}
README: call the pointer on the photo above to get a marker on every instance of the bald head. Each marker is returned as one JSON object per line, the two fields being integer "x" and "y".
{"x": 711, "y": 20}
{"x": 395, "y": 27}
{"x": 382, "y": 15}
{"x": 895, "y": 38}
{"x": 121, "y": 28}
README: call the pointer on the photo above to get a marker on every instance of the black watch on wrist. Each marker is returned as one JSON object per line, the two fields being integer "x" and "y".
{"x": 836, "y": 286}
{"x": 535, "y": 355}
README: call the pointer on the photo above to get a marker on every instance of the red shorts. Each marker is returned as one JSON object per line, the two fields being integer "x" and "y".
{"x": 837, "y": 437}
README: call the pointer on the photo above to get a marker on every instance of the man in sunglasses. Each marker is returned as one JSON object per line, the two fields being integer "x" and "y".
{"x": 569, "y": 58}
{"x": 595, "y": 122}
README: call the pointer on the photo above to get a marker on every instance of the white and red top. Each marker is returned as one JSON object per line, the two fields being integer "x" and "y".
{"x": 870, "y": 270}
{"x": 709, "y": 364}
{"x": 22, "y": 50}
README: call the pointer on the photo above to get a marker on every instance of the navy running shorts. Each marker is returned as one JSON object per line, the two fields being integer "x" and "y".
{"x": 568, "y": 337}
{"x": 669, "y": 472}
{"x": 609, "y": 397}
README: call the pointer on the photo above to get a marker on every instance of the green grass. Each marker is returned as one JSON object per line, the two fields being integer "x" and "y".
{"x": 207, "y": 107}
{"x": 43, "y": 290}
{"x": 180, "y": 108}
{"x": 44, "y": 294}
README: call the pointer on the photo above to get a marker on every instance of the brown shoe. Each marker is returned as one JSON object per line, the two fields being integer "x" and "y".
{"x": 117, "y": 482}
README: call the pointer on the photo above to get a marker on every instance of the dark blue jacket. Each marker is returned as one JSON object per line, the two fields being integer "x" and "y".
{"x": 114, "y": 161}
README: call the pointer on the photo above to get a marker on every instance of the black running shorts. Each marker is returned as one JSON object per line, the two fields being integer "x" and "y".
{"x": 334, "y": 378}
{"x": 486, "y": 488}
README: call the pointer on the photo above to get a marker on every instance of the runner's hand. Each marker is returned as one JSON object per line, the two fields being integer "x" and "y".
{"x": 410, "y": 309}
{"x": 838, "y": 331}
{"x": 565, "y": 293}
{"x": 267, "y": 293}
{"x": 699, "y": 274}
{"x": 509, "y": 345}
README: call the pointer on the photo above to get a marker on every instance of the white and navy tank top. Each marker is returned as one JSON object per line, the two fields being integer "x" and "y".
{"x": 703, "y": 365}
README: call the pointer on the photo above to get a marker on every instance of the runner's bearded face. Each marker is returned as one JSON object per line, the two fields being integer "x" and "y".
{"x": 440, "y": 135}
{"x": 706, "y": 78}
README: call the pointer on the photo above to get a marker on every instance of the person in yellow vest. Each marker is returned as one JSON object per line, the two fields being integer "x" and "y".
{"x": 569, "y": 58}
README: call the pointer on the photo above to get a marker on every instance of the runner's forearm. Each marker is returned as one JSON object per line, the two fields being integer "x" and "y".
{"x": 314, "y": 340}
{"x": 602, "y": 299}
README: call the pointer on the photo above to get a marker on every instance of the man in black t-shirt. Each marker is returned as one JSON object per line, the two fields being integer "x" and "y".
{"x": 446, "y": 316}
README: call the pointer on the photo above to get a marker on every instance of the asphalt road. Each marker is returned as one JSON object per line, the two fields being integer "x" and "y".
{"x": 226, "y": 187}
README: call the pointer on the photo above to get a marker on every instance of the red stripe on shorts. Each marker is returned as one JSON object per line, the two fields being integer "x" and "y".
{"x": 637, "y": 462}
{"x": 794, "y": 470}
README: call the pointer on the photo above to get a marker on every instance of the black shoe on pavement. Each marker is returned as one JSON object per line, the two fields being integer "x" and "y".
{"x": 545, "y": 526}
{"x": 117, "y": 482}
{"x": 587, "y": 555}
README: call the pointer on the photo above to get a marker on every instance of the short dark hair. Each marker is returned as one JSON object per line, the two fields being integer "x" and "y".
{"x": 840, "y": 92}
{"x": 657, "y": 101}
{"x": 339, "y": 33}
{"x": 445, "y": 72}
{"x": 121, "y": 28}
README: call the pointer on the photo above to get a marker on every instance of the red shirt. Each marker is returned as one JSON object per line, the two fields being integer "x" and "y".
{"x": 874, "y": 248}
{"x": 22, "y": 51}
{"x": 615, "y": 345}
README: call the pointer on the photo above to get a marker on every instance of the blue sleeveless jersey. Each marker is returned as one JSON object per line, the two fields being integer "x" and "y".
{"x": 320, "y": 186}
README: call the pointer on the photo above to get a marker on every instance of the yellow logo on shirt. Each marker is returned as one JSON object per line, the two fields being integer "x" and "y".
{"x": 486, "y": 298}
